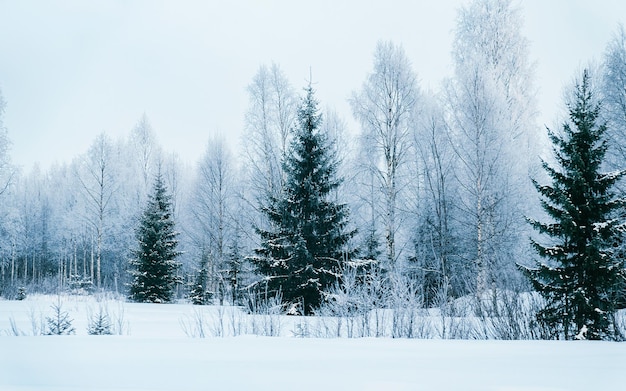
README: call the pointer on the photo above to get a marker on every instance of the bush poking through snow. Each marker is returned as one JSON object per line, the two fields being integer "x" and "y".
{"x": 195, "y": 325}
{"x": 78, "y": 285}
{"x": 265, "y": 315}
{"x": 21, "y": 293}
{"x": 15, "y": 331}
{"x": 37, "y": 322}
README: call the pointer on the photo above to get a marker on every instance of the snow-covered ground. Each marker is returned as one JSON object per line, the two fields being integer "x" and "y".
{"x": 155, "y": 352}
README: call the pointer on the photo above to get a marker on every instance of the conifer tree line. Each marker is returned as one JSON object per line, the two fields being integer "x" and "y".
{"x": 436, "y": 188}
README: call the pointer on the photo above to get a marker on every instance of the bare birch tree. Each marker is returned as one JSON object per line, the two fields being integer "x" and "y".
{"x": 435, "y": 260}
{"x": 385, "y": 108}
{"x": 269, "y": 119}
{"x": 212, "y": 210}
{"x": 98, "y": 185}
{"x": 613, "y": 88}
{"x": 145, "y": 154}
{"x": 6, "y": 178}
{"x": 491, "y": 120}
{"x": 7, "y": 171}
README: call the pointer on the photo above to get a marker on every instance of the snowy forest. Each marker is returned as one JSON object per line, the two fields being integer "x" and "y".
{"x": 452, "y": 198}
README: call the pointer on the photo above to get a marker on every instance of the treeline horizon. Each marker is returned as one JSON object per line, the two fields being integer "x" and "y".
{"x": 437, "y": 184}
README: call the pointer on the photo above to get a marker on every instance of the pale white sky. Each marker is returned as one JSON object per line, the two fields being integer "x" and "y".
{"x": 72, "y": 69}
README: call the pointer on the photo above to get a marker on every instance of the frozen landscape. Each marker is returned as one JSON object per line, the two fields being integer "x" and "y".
{"x": 155, "y": 352}
{"x": 405, "y": 195}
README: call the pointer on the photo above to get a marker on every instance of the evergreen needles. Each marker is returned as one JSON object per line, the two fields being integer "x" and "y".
{"x": 581, "y": 268}
{"x": 301, "y": 253}
{"x": 155, "y": 265}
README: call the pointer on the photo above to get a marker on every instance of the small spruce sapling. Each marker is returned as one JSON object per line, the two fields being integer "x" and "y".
{"x": 100, "y": 323}
{"x": 60, "y": 322}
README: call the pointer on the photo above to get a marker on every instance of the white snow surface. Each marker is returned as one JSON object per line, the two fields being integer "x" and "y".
{"x": 156, "y": 354}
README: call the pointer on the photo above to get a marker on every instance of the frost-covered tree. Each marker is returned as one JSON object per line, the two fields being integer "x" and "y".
{"x": 491, "y": 119}
{"x": 212, "y": 209}
{"x": 33, "y": 232}
{"x": 7, "y": 174}
{"x": 301, "y": 255}
{"x": 97, "y": 177}
{"x": 613, "y": 88}
{"x": 435, "y": 260}
{"x": 58, "y": 222}
{"x": 581, "y": 270}
{"x": 385, "y": 108}
{"x": 7, "y": 171}
{"x": 365, "y": 199}
{"x": 155, "y": 265}
{"x": 613, "y": 96}
{"x": 269, "y": 120}
{"x": 145, "y": 150}
{"x": 271, "y": 114}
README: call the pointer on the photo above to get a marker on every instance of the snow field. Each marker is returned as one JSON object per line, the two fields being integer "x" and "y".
{"x": 155, "y": 353}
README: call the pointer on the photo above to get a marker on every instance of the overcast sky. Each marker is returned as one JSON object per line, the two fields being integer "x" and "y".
{"x": 72, "y": 69}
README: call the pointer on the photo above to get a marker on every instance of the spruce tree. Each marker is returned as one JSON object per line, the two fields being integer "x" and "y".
{"x": 154, "y": 264}
{"x": 581, "y": 270}
{"x": 200, "y": 294}
{"x": 100, "y": 323}
{"x": 234, "y": 268}
{"x": 60, "y": 322}
{"x": 301, "y": 254}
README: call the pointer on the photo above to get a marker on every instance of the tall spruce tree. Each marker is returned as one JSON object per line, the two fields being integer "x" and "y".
{"x": 154, "y": 264}
{"x": 582, "y": 269}
{"x": 301, "y": 254}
